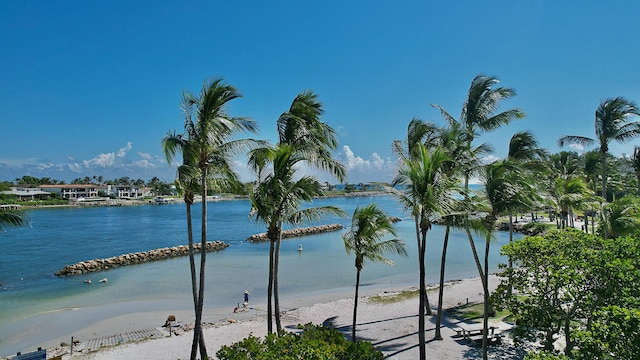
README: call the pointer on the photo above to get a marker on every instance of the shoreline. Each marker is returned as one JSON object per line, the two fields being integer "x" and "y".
{"x": 315, "y": 307}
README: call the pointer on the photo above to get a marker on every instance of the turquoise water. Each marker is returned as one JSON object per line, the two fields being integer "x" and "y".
{"x": 57, "y": 237}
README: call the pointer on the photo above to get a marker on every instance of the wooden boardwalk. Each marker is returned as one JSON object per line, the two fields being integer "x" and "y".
{"x": 122, "y": 338}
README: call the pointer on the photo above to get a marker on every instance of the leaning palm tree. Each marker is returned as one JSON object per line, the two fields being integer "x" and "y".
{"x": 209, "y": 148}
{"x": 368, "y": 226}
{"x": 277, "y": 198}
{"x": 427, "y": 192}
{"x": 612, "y": 123}
{"x": 480, "y": 113}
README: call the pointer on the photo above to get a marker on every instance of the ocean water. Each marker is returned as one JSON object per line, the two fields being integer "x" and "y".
{"x": 30, "y": 256}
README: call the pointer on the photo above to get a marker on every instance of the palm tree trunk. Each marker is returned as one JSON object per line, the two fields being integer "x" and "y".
{"x": 443, "y": 262}
{"x": 197, "y": 332}
{"x": 270, "y": 287}
{"x": 355, "y": 307}
{"x": 470, "y": 237}
{"x": 510, "y": 289}
{"x": 603, "y": 161}
{"x": 586, "y": 223}
{"x": 423, "y": 292}
{"x": 192, "y": 265}
{"x": 476, "y": 258}
{"x": 485, "y": 317}
{"x": 276, "y": 297}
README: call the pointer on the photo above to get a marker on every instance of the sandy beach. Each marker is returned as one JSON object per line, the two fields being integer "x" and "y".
{"x": 392, "y": 326}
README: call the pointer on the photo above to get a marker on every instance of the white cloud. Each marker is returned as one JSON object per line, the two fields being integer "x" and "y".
{"x": 146, "y": 156}
{"x": 374, "y": 168}
{"x": 102, "y": 160}
{"x": 144, "y": 163}
{"x": 123, "y": 151}
{"x": 577, "y": 147}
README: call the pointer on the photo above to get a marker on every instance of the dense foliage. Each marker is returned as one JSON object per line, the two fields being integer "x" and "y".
{"x": 576, "y": 285}
{"x": 314, "y": 343}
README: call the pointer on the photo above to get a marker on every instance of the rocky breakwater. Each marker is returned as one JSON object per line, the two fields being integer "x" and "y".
{"x": 135, "y": 258}
{"x": 298, "y": 232}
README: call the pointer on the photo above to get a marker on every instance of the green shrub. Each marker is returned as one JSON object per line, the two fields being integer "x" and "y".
{"x": 314, "y": 343}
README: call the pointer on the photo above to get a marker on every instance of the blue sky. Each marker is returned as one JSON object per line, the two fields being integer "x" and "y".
{"x": 91, "y": 87}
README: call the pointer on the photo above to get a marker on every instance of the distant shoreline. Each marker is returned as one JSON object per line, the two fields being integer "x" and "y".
{"x": 178, "y": 200}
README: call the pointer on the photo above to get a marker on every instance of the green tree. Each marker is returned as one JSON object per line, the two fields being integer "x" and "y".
{"x": 427, "y": 193}
{"x": 564, "y": 279}
{"x": 368, "y": 226}
{"x": 612, "y": 123}
{"x": 621, "y": 217}
{"x": 209, "y": 147}
{"x": 277, "y": 198}
{"x": 614, "y": 334}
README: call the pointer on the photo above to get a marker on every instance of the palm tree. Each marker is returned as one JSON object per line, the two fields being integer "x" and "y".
{"x": 507, "y": 189}
{"x": 209, "y": 148}
{"x": 368, "y": 226}
{"x": 427, "y": 193}
{"x": 570, "y": 193}
{"x": 611, "y": 124}
{"x": 10, "y": 218}
{"x": 479, "y": 114}
{"x": 418, "y": 132}
{"x": 277, "y": 198}
{"x": 621, "y": 217}
{"x": 635, "y": 163}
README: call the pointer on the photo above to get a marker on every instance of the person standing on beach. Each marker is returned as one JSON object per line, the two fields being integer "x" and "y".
{"x": 246, "y": 296}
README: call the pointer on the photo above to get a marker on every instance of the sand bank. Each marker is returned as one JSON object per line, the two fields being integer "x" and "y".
{"x": 390, "y": 326}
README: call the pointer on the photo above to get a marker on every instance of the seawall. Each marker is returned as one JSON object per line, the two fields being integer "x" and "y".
{"x": 298, "y": 232}
{"x": 135, "y": 258}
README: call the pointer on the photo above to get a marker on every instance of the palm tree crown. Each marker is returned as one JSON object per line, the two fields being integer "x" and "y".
{"x": 612, "y": 123}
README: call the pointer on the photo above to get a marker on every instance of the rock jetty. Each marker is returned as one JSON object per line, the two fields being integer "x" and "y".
{"x": 298, "y": 232}
{"x": 135, "y": 258}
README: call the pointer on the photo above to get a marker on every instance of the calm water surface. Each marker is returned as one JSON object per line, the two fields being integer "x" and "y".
{"x": 57, "y": 237}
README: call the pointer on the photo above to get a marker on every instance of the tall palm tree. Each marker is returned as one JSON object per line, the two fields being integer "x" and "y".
{"x": 506, "y": 189}
{"x": 418, "y": 132}
{"x": 209, "y": 148}
{"x": 612, "y": 123}
{"x": 480, "y": 113}
{"x": 427, "y": 192}
{"x": 368, "y": 226}
{"x": 277, "y": 198}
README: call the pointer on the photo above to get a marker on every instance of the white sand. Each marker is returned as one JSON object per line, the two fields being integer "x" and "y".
{"x": 391, "y": 327}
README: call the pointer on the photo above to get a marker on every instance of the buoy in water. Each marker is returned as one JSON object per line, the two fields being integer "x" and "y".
{"x": 300, "y": 247}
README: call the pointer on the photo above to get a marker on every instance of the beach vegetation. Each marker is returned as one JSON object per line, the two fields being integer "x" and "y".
{"x": 564, "y": 280}
{"x": 369, "y": 225}
{"x": 279, "y": 193}
{"x": 314, "y": 342}
{"x": 207, "y": 147}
